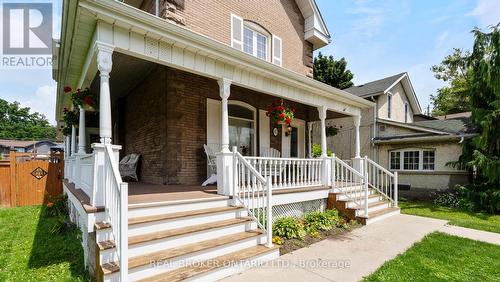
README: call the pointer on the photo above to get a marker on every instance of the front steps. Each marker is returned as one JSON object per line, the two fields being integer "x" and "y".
{"x": 199, "y": 240}
{"x": 344, "y": 199}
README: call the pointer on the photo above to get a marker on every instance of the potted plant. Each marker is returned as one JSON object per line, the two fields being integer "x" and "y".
{"x": 281, "y": 113}
{"x": 70, "y": 118}
{"x": 83, "y": 98}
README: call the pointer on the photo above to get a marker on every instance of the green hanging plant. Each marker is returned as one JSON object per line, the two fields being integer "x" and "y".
{"x": 331, "y": 131}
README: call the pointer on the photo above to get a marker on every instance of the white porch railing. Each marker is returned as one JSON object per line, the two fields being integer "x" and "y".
{"x": 289, "y": 172}
{"x": 86, "y": 173}
{"x": 116, "y": 204}
{"x": 382, "y": 180}
{"x": 352, "y": 183}
{"x": 253, "y": 191}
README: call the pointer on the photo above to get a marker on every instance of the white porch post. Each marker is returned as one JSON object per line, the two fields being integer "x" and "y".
{"x": 326, "y": 164}
{"x": 225, "y": 157}
{"x": 81, "y": 132}
{"x": 73, "y": 140}
{"x": 67, "y": 146}
{"x": 309, "y": 139}
{"x": 357, "y": 161}
{"x": 104, "y": 64}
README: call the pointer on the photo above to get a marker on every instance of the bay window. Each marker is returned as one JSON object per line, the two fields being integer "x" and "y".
{"x": 412, "y": 159}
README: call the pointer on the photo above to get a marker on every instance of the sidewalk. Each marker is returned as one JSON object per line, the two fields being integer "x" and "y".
{"x": 362, "y": 251}
{"x": 478, "y": 235}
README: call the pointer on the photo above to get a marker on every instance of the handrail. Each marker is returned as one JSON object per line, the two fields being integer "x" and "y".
{"x": 254, "y": 192}
{"x": 116, "y": 203}
{"x": 382, "y": 180}
{"x": 347, "y": 180}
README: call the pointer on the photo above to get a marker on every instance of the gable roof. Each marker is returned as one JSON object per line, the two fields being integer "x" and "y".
{"x": 384, "y": 85}
{"x": 7, "y": 143}
{"x": 375, "y": 87}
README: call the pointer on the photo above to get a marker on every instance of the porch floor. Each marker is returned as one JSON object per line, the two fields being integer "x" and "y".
{"x": 142, "y": 193}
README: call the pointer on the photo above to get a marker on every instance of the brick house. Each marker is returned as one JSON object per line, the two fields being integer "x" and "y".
{"x": 173, "y": 76}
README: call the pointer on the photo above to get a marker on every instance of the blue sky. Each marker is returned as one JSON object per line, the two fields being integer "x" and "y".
{"x": 378, "y": 39}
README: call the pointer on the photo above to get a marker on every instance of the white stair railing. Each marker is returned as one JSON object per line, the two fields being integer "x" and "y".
{"x": 289, "y": 172}
{"x": 351, "y": 183}
{"x": 116, "y": 203}
{"x": 382, "y": 180}
{"x": 254, "y": 192}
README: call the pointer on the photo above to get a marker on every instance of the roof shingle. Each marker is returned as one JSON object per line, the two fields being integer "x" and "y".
{"x": 374, "y": 87}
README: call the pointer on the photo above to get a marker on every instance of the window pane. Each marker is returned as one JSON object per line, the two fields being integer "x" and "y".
{"x": 389, "y": 105}
{"x": 248, "y": 41}
{"x": 241, "y": 135}
{"x": 410, "y": 160}
{"x": 261, "y": 47}
{"x": 395, "y": 160}
{"x": 240, "y": 112}
{"x": 428, "y": 160}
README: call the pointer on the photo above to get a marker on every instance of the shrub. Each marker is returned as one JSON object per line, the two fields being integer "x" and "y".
{"x": 318, "y": 221}
{"x": 57, "y": 206}
{"x": 277, "y": 240}
{"x": 316, "y": 151}
{"x": 479, "y": 197}
{"x": 448, "y": 199}
{"x": 288, "y": 228}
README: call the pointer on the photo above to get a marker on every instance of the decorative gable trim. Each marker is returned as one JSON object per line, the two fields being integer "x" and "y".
{"x": 315, "y": 30}
{"x": 409, "y": 92}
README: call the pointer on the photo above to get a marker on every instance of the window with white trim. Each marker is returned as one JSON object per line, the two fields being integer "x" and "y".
{"x": 389, "y": 105}
{"x": 406, "y": 112}
{"x": 255, "y": 43}
{"x": 412, "y": 159}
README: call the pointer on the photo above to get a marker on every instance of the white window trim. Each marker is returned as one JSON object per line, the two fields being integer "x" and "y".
{"x": 420, "y": 159}
{"x": 254, "y": 42}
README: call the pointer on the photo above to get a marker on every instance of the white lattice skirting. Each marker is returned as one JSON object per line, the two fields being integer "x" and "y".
{"x": 298, "y": 209}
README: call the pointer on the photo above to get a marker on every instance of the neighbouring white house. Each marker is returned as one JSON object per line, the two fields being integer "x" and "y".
{"x": 186, "y": 94}
{"x": 399, "y": 137}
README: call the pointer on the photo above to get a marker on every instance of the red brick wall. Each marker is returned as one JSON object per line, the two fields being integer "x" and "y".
{"x": 280, "y": 17}
{"x": 164, "y": 119}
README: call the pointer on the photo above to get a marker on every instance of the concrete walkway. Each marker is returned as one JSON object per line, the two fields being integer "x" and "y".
{"x": 479, "y": 235}
{"x": 348, "y": 258}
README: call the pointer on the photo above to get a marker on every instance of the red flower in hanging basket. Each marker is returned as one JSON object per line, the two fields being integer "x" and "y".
{"x": 88, "y": 100}
{"x": 65, "y": 110}
{"x": 288, "y": 120}
{"x": 67, "y": 89}
{"x": 282, "y": 116}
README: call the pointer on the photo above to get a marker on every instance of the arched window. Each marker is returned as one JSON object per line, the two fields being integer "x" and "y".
{"x": 256, "y": 41}
{"x": 242, "y": 127}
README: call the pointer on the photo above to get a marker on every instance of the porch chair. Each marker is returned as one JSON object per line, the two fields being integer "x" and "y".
{"x": 270, "y": 153}
{"x": 268, "y": 170}
{"x": 212, "y": 165}
{"x": 128, "y": 167}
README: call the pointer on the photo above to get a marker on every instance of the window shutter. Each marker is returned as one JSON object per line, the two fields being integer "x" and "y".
{"x": 236, "y": 32}
{"x": 277, "y": 50}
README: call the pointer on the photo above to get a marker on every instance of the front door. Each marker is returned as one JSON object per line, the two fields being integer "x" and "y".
{"x": 293, "y": 143}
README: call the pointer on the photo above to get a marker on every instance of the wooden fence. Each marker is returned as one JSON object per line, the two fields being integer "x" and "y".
{"x": 30, "y": 179}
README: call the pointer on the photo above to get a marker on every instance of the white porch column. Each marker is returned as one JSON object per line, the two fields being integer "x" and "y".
{"x": 67, "y": 146}
{"x": 326, "y": 163}
{"x": 225, "y": 157}
{"x": 73, "y": 140}
{"x": 224, "y": 92}
{"x": 104, "y": 64}
{"x": 82, "y": 139}
{"x": 357, "y": 161}
{"x": 322, "y": 117}
{"x": 309, "y": 139}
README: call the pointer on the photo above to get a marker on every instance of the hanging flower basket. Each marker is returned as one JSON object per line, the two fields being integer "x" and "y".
{"x": 83, "y": 98}
{"x": 70, "y": 118}
{"x": 280, "y": 113}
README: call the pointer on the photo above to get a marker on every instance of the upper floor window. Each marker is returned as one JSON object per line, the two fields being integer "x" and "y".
{"x": 255, "y": 40}
{"x": 389, "y": 105}
{"x": 255, "y": 43}
{"x": 406, "y": 112}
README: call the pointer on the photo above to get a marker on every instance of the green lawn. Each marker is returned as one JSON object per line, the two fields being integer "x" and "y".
{"x": 29, "y": 252}
{"x": 462, "y": 218}
{"x": 442, "y": 257}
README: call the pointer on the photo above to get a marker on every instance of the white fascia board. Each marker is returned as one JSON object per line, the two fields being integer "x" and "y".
{"x": 424, "y": 139}
{"x": 118, "y": 11}
{"x": 315, "y": 30}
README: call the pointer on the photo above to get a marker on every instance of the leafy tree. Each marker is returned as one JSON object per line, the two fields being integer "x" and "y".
{"x": 482, "y": 153}
{"x": 19, "y": 123}
{"x": 332, "y": 72}
{"x": 454, "y": 97}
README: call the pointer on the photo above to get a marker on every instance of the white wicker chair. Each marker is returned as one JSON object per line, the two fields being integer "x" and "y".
{"x": 211, "y": 163}
{"x": 270, "y": 153}
{"x": 128, "y": 167}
